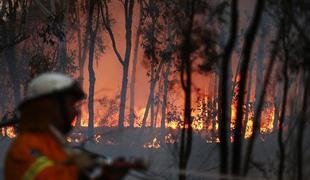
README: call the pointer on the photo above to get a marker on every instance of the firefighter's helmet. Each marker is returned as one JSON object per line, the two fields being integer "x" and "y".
{"x": 52, "y": 83}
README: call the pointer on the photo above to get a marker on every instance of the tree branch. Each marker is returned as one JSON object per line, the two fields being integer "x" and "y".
{"x": 107, "y": 25}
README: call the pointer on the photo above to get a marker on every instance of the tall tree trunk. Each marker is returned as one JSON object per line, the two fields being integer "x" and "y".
{"x": 186, "y": 72}
{"x": 134, "y": 70}
{"x": 281, "y": 166}
{"x": 260, "y": 61}
{"x": 83, "y": 46}
{"x": 223, "y": 95}
{"x": 301, "y": 127}
{"x": 124, "y": 61}
{"x": 129, "y": 4}
{"x": 8, "y": 29}
{"x": 133, "y": 79}
{"x": 247, "y": 49}
{"x": 62, "y": 46}
{"x": 258, "y": 109}
{"x": 92, "y": 79}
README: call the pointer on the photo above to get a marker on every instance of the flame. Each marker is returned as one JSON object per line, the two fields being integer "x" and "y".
{"x": 268, "y": 116}
{"x": 216, "y": 140}
{"x": 204, "y": 118}
{"x": 172, "y": 124}
{"x": 154, "y": 144}
{"x": 233, "y": 115}
{"x": 249, "y": 129}
{"x": 197, "y": 125}
{"x": 10, "y": 132}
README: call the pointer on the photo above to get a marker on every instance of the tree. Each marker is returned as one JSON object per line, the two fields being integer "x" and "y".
{"x": 134, "y": 66}
{"x": 12, "y": 29}
{"x": 128, "y": 6}
{"x": 153, "y": 47}
{"x": 82, "y": 43}
{"x": 93, "y": 34}
{"x": 246, "y": 53}
{"x": 223, "y": 123}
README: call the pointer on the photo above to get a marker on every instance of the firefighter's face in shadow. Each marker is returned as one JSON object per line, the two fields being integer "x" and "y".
{"x": 69, "y": 110}
{"x": 58, "y": 111}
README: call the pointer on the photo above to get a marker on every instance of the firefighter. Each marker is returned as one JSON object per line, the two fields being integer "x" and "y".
{"x": 46, "y": 114}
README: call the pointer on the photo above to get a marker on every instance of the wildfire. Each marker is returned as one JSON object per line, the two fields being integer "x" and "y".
{"x": 154, "y": 144}
{"x": 204, "y": 119}
{"x": 197, "y": 125}
{"x": 266, "y": 123}
{"x": 248, "y": 130}
{"x": 172, "y": 124}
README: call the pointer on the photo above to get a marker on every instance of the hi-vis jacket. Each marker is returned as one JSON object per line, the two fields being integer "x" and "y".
{"x": 38, "y": 156}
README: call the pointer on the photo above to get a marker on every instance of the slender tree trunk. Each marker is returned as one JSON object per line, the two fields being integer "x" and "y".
{"x": 186, "y": 72}
{"x": 301, "y": 127}
{"x": 157, "y": 102}
{"x": 128, "y": 11}
{"x": 8, "y": 30}
{"x": 129, "y": 4}
{"x": 281, "y": 166}
{"x": 62, "y": 48}
{"x": 123, "y": 96}
{"x": 133, "y": 72}
{"x": 165, "y": 95}
{"x": 260, "y": 61}
{"x": 92, "y": 78}
{"x": 10, "y": 56}
{"x": 223, "y": 88}
{"x": 247, "y": 49}
{"x": 83, "y": 46}
{"x": 151, "y": 93}
{"x": 259, "y": 107}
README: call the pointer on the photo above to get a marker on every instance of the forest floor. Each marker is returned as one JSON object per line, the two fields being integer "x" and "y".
{"x": 161, "y": 147}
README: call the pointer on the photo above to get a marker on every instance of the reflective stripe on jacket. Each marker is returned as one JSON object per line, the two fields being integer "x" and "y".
{"x": 38, "y": 156}
{"x": 39, "y": 165}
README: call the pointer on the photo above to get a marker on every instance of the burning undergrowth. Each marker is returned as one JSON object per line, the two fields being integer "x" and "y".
{"x": 204, "y": 123}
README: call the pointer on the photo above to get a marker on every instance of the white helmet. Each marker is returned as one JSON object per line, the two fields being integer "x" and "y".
{"x": 52, "y": 83}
